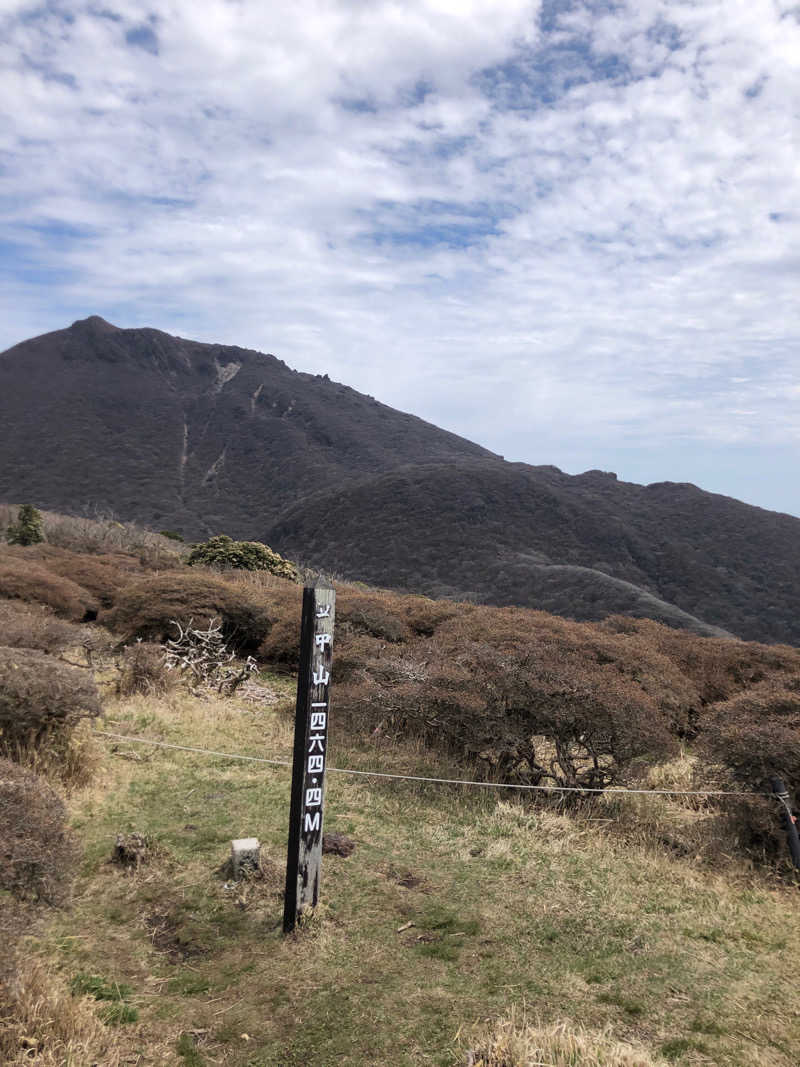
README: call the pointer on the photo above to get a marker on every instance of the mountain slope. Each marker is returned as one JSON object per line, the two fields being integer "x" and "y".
{"x": 515, "y": 534}
{"x": 186, "y": 435}
{"x": 207, "y": 438}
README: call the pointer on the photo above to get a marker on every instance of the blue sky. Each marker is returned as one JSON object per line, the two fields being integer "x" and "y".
{"x": 567, "y": 230}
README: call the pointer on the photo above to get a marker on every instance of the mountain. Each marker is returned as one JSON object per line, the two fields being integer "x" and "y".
{"x": 208, "y": 438}
{"x": 189, "y": 436}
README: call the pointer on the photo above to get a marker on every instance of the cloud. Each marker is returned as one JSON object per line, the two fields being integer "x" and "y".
{"x": 562, "y": 229}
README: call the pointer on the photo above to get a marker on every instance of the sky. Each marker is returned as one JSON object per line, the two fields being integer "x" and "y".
{"x": 568, "y": 230}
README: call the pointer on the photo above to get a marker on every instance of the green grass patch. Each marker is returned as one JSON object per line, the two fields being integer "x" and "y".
{"x": 454, "y": 907}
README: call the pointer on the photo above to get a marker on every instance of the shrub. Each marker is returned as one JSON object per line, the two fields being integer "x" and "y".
{"x": 28, "y": 529}
{"x": 102, "y": 575}
{"x": 22, "y": 579}
{"x": 717, "y": 667}
{"x": 143, "y": 670}
{"x": 527, "y": 696}
{"x": 34, "y": 626}
{"x": 281, "y": 646}
{"x": 39, "y": 695}
{"x": 147, "y": 608}
{"x": 377, "y": 615}
{"x": 222, "y": 551}
{"x": 36, "y": 852}
{"x": 172, "y": 535}
{"x": 106, "y": 535}
{"x": 755, "y": 736}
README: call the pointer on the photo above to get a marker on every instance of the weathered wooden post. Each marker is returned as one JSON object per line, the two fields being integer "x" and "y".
{"x": 310, "y": 754}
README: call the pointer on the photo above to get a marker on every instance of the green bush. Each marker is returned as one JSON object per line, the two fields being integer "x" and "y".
{"x": 28, "y": 529}
{"x": 223, "y": 551}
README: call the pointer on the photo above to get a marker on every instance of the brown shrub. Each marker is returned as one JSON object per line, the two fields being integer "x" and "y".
{"x": 146, "y": 608}
{"x": 23, "y": 579}
{"x": 424, "y": 616}
{"x": 525, "y": 694}
{"x": 40, "y": 695}
{"x": 718, "y": 667}
{"x": 389, "y": 617}
{"x": 756, "y": 734}
{"x": 36, "y": 852}
{"x": 143, "y": 670}
{"x": 34, "y": 626}
{"x": 102, "y": 575}
{"x": 106, "y": 535}
{"x": 375, "y": 614}
{"x": 754, "y": 737}
{"x": 281, "y": 646}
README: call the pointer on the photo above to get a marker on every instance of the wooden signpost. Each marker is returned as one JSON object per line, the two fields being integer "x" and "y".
{"x": 310, "y": 754}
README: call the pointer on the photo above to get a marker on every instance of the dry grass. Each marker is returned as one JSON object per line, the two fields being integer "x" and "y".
{"x": 43, "y": 1025}
{"x": 515, "y": 1041}
{"x": 71, "y": 756}
{"x": 100, "y": 535}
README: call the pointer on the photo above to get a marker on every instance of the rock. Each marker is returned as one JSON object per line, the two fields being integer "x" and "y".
{"x": 245, "y": 856}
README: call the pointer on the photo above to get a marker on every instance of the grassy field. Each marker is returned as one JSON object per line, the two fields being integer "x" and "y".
{"x": 461, "y": 917}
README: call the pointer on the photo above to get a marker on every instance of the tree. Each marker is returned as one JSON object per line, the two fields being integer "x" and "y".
{"x": 28, "y": 529}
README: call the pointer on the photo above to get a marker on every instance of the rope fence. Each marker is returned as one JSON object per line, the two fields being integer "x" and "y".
{"x": 438, "y": 781}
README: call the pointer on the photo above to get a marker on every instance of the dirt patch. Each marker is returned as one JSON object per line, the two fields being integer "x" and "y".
{"x": 336, "y": 844}
{"x": 405, "y": 878}
{"x": 171, "y": 935}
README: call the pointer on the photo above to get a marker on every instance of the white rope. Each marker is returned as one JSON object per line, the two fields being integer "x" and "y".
{"x": 443, "y": 781}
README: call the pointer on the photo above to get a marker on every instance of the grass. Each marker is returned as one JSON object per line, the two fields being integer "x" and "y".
{"x": 462, "y": 918}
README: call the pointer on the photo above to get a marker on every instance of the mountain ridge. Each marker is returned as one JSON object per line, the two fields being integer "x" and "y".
{"x": 205, "y": 438}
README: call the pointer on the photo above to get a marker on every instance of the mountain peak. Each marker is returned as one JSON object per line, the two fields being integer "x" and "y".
{"x": 96, "y": 323}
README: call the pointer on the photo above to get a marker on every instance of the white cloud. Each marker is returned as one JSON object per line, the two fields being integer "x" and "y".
{"x": 558, "y": 242}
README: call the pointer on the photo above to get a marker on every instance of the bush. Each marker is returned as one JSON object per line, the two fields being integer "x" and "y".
{"x": 376, "y": 614}
{"x": 28, "y": 529}
{"x": 143, "y": 670}
{"x": 718, "y": 667}
{"x": 281, "y": 646}
{"x": 40, "y": 695}
{"x": 102, "y": 575}
{"x": 754, "y": 737}
{"x": 146, "y": 608}
{"x": 36, "y": 852}
{"x": 34, "y": 626}
{"x": 222, "y": 551}
{"x": 525, "y": 695}
{"x": 106, "y": 535}
{"x": 21, "y": 579}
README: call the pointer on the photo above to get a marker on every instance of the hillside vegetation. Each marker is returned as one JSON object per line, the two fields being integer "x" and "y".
{"x": 469, "y": 925}
{"x": 200, "y": 438}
